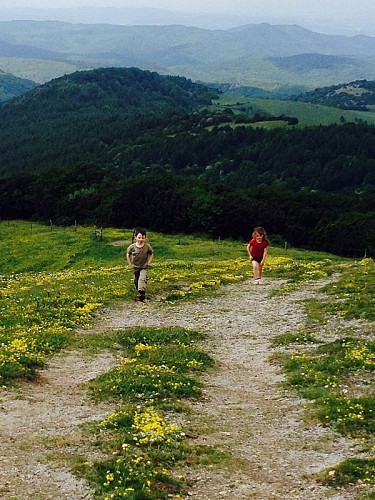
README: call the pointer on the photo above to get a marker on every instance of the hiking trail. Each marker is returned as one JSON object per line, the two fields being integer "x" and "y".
{"x": 243, "y": 411}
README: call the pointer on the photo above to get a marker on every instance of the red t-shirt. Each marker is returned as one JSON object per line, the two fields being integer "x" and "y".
{"x": 257, "y": 249}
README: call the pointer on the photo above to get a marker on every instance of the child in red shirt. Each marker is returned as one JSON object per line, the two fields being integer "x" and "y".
{"x": 257, "y": 249}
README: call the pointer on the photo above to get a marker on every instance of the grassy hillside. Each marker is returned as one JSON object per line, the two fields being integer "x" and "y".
{"x": 42, "y": 265}
{"x": 308, "y": 114}
{"x": 70, "y": 275}
{"x": 39, "y": 70}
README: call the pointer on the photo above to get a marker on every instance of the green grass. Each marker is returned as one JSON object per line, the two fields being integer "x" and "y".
{"x": 156, "y": 368}
{"x": 159, "y": 368}
{"x": 33, "y": 247}
{"x": 353, "y": 297}
{"x": 337, "y": 376}
{"x": 324, "y": 376}
{"x": 294, "y": 338}
{"x": 350, "y": 471}
{"x": 54, "y": 279}
{"x": 307, "y": 114}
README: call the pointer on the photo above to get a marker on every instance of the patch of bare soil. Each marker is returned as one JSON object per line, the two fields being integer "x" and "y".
{"x": 243, "y": 410}
{"x": 52, "y": 408}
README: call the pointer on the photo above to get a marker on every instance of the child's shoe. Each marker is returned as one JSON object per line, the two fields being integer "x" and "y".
{"x": 142, "y": 295}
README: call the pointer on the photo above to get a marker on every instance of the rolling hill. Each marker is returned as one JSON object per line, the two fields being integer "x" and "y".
{"x": 83, "y": 115}
{"x": 11, "y": 86}
{"x": 252, "y": 55}
{"x": 358, "y": 95}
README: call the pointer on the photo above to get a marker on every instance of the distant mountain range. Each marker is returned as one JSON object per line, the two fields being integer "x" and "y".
{"x": 340, "y": 23}
{"x": 259, "y": 55}
{"x": 127, "y": 16}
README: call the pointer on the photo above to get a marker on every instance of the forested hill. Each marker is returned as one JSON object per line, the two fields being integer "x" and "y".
{"x": 122, "y": 147}
{"x": 11, "y": 86}
{"x": 359, "y": 95}
{"x": 78, "y": 116}
{"x": 136, "y": 122}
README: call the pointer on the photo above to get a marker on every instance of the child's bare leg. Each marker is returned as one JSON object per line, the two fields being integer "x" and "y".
{"x": 256, "y": 270}
{"x": 260, "y": 271}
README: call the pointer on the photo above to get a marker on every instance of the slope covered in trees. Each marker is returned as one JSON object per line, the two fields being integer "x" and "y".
{"x": 11, "y": 86}
{"x": 79, "y": 116}
{"x": 358, "y": 95}
{"x": 122, "y": 147}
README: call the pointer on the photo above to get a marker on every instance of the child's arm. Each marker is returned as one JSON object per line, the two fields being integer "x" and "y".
{"x": 249, "y": 248}
{"x": 149, "y": 258}
{"x": 265, "y": 253}
{"x": 129, "y": 258}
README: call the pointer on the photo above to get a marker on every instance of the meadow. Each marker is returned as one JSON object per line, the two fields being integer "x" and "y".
{"x": 307, "y": 114}
{"x": 54, "y": 280}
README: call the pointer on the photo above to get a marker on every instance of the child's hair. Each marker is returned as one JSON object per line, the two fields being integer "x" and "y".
{"x": 138, "y": 230}
{"x": 260, "y": 231}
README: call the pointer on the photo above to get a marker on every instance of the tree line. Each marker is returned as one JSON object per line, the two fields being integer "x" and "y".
{"x": 343, "y": 224}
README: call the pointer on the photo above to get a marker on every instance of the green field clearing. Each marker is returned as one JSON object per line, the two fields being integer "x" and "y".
{"x": 307, "y": 114}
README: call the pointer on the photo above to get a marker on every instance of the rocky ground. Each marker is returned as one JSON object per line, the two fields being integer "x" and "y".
{"x": 244, "y": 411}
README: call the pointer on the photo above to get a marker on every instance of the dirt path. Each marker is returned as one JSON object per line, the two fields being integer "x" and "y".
{"x": 51, "y": 408}
{"x": 243, "y": 410}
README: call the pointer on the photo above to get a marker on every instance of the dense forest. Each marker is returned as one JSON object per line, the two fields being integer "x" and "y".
{"x": 82, "y": 116}
{"x": 121, "y": 147}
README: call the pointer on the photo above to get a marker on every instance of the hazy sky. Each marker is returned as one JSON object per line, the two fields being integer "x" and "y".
{"x": 257, "y": 7}
{"x": 340, "y": 11}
